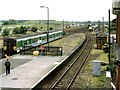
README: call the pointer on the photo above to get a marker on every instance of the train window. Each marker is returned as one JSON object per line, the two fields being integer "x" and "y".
{"x": 43, "y": 38}
{"x": 101, "y": 41}
{"x": 22, "y": 43}
{"x": 35, "y": 40}
{"x": 56, "y": 34}
{"x": 50, "y": 36}
{"x": 53, "y": 35}
{"x": 25, "y": 42}
{"x": 10, "y": 46}
{"x": 39, "y": 38}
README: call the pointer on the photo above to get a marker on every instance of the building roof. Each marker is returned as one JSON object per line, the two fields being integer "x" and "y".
{"x": 101, "y": 35}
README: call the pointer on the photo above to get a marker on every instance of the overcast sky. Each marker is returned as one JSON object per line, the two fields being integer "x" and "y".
{"x": 71, "y": 10}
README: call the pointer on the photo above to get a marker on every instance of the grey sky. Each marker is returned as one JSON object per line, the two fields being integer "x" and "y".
{"x": 71, "y": 10}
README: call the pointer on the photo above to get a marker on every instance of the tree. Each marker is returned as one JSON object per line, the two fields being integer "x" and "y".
{"x": 16, "y": 31}
{"x": 114, "y": 20}
{"x": 9, "y": 22}
{"x": 20, "y": 30}
{"x": 5, "y": 23}
{"x": 23, "y": 30}
{"x": 34, "y": 29}
{"x": 106, "y": 48}
{"x": 51, "y": 28}
{"x": 5, "y": 32}
{"x": 113, "y": 25}
{"x": 12, "y": 21}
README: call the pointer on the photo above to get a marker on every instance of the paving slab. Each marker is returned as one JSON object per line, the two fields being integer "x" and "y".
{"x": 30, "y": 73}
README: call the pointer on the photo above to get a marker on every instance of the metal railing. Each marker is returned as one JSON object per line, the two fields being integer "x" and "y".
{"x": 53, "y": 51}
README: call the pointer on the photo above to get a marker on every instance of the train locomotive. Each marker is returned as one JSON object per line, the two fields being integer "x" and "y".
{"x": 14, "y": 45}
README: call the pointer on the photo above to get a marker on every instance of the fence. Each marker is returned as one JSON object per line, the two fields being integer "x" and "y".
{"x": 51, "y": 50}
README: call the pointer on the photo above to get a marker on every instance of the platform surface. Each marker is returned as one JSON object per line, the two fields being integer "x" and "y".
{"x": 30, "y": 73}
{"x": 27, "y": 71}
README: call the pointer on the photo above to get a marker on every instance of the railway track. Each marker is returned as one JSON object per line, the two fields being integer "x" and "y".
{"x": 65, "y": 77}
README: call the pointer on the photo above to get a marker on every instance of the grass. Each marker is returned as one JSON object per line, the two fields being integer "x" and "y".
{"x": 101, "y": 80}
{"x": 99, "y": 55}
{"x": 68, "y": 43}
{"x": 95, "y": 81}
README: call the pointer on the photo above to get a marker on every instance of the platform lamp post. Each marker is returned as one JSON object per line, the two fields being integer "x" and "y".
{"x": 47, "y": 24}
{"x": 63, "y": 27}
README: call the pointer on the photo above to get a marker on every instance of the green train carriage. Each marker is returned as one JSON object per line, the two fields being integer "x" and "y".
{"x": 13, "y": 45}
{"x": 9, "y": 46}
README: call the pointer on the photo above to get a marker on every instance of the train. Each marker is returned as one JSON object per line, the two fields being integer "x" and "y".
{"x": 92, "y": 27}
{"x": 13, "y": 45}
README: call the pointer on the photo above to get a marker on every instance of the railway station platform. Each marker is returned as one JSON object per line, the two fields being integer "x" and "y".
{"x": 26, "y": 76}
{"x": 29, "y": 70}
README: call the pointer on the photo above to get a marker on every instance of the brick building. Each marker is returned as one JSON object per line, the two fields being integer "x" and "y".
{"x": 101, "y": 39}
{"x": 116, "y": 11}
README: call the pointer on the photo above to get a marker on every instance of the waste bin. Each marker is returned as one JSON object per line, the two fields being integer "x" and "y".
{"x": 35, "y": 53}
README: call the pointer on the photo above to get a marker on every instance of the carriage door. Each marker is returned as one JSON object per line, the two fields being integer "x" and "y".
{"x": 10, "y": 44}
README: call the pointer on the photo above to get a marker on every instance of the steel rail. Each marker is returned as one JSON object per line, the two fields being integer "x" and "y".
{"x": 81, "y": 65}
{"x": 52, "y": 88}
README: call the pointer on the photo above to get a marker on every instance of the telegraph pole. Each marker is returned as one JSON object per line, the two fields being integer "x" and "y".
{"x": 103, "y": 23}
{"x": 109, "y": 36}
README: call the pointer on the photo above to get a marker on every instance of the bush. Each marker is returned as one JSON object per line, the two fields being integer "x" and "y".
{"x": 5, "y": 32}
{"x": 106, "y": 48}
{"x": 20, "y": 30}
{"x": 34, "y": 29}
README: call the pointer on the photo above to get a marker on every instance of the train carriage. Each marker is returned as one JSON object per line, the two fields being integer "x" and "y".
{"x": 9, "y": 46}
{"x": 43, "y": 39}
{"x": 13, "y": 45}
